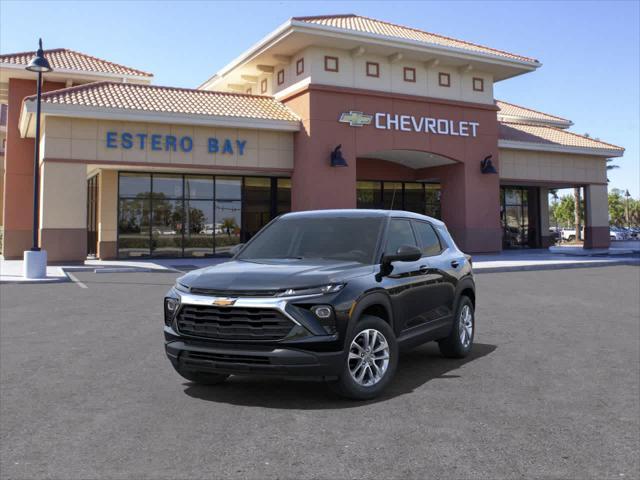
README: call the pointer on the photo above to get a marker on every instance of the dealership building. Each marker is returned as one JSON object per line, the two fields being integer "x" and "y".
{"x": 337, "y": 111}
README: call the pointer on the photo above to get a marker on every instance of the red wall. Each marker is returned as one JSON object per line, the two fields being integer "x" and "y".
{"x": 18, "y": 177}
{"x": 470, "y": 200}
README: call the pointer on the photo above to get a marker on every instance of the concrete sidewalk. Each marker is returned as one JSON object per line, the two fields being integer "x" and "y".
{"x": 506, "y": 261}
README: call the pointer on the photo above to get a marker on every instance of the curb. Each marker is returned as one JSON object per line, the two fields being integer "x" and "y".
{"x": 562, "y": 266}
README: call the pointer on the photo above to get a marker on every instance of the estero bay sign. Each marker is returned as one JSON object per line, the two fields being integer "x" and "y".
{"x": 171, "y": 143}
{"x": 411, "y": 123}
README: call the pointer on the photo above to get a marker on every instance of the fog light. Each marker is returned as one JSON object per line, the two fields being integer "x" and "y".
{"x": 322, "y": 312}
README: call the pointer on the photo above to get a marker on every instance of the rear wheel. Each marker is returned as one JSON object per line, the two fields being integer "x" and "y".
{"x": 202, "y": 378}
{"x": 460, "y": 341}
{"x": 370, "y": 362}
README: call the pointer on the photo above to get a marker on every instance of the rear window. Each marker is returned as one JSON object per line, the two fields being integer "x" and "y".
{"x": 428, "y": 238}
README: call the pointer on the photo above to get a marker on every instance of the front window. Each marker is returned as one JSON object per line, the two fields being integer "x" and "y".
{"x": 345, "y": 238}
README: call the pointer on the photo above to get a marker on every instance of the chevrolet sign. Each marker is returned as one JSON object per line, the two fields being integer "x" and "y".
{"x": 224, "y": 302}
{"x": 410, "y": 123}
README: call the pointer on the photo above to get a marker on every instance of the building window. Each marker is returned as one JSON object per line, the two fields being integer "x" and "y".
{"x": 263, "y": 86}
{"x": 418, "y": 197}
{"x": 300, "y": 66}
{"x": 478, "y": 84}
{"x": 444, "y": 79}
{"x": 331, "y": 64}
{"x": 280, "y": 77}
{"x": 373, "y": 69}
{"x": 409, "y": 74}
{"x": 248, "y": 91}
{"x": 171, "y": 215}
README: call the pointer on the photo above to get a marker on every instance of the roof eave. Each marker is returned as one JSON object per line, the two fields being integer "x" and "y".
{"x": 293, "y": 25}
{"x": 543, "y": 147}
{"x": 120, "y": 114}
{"x": 532, "y": 121}
{"x": 466, "y": 54}
{"x": 87, "y": 73}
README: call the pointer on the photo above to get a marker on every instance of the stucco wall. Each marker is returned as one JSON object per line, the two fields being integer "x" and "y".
{"x": 551, "y": 167}
{"x": 352, "y": 73}
{"x": 85, "y": 140}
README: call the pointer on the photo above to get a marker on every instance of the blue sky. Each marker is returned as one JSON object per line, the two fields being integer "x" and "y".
{"x": 589, "y": 50}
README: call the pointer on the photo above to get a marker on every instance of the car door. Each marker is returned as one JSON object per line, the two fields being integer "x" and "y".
{"x": 438, "y": 270}
{"x": 405, "y": 283}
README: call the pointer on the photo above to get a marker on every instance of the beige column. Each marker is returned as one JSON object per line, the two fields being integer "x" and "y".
{"x": 546, "y": 240}
{"x": 63, "y": 211}
{"x": 107, "y": 214}
{"x": 596, "y": 216}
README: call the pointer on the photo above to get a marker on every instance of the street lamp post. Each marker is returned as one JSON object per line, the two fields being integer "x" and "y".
{"x": 35, "y": 260}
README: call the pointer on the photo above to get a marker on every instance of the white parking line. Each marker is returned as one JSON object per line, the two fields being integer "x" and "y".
{"x": 75, "y": 280}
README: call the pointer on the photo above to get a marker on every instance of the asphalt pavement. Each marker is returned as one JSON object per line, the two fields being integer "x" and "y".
{"x": 550, "y": 391}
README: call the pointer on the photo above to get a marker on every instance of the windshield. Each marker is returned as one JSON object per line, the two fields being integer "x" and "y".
{"x": 346, "y": 238}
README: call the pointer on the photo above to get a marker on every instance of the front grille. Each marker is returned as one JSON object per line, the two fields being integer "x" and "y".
{"x": 234, "y": 293}
{"x": 204, "y": 359}
{"x": 233, "y": 323}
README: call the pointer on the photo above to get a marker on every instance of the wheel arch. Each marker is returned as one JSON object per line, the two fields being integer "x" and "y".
{"x": 375, "y": 303}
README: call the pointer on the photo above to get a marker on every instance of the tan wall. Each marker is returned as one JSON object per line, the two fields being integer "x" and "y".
{"x": 80, "y": 139}
{"x": 352, "y": 74}
{"x": 108, "y": 206}
{"x": 552, "y": 167}
{"x": 63, "y": 195}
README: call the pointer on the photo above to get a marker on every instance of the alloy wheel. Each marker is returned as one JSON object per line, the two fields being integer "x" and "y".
{"x": 368, "y": 357}
{"x": 466, "y": 326}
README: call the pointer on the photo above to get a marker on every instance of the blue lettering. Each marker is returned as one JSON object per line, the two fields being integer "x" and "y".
{"x": 186, "y": 144}
{"x": 142, "y": 137}
{"x": 227, "y": 147}
{"x": 170, "y": 143}
{"x": 213, "y": 145}
{"x": 241, "y": 144}
{"x": 126, "y": 140}
{"x": 111, "y": 140}
{"x": 155, "y": 142}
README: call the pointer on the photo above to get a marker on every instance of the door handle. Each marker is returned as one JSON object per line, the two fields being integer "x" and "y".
{"x": 423, "y": 268}
{"x": 455, "y": 263}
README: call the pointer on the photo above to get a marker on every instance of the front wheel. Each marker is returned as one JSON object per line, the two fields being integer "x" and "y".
{"x": 459, "y": 342}
{"x": 371, "y": 361}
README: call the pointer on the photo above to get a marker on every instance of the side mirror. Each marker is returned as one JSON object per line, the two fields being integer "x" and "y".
{"x": 236, "y": 248}
{"x": 406, "y": 253}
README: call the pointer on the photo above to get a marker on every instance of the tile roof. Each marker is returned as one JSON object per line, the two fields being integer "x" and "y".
{"x": 152, "y": 98}
{"x": 512, "y": 110}
{"x": 370, "y": 25}
{"x": 65, "y": 59}
{"x": 544, "y": 135}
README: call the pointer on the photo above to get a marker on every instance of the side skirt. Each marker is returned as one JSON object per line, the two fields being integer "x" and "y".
{"x": 425, "y": 333}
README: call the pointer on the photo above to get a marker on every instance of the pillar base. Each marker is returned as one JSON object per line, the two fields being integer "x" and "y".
{"x": 597, "y": 237}
{"x": 35, "y": 264}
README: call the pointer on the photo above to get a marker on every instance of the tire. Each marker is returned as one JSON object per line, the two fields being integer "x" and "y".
{"x": 456, "y": 346}
{"x": 202, "y": 378}
{"x": 375, "y": 374}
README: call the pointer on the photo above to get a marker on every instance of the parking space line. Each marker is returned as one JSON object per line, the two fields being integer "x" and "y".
{"x": 75, "y": 280}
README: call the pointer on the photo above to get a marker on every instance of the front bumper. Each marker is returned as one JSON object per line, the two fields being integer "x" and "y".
{"x": 238, "y": 359}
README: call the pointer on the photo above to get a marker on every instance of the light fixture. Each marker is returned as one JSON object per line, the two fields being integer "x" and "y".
{"x": 337, "y": 160}
{"x": 39, "y": 62}
{"x": 486, "y": 166}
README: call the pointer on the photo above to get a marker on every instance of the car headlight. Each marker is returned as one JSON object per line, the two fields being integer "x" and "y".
{"x": 331, "y": 288}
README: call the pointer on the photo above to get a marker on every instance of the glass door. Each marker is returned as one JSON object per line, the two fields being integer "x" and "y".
{"x": 92, "y": 216}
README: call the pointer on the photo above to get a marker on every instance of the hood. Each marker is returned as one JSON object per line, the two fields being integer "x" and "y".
{"x": 238, "y": 275}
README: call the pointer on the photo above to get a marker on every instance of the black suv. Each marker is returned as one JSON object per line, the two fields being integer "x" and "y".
{"x": 333, "y": 294}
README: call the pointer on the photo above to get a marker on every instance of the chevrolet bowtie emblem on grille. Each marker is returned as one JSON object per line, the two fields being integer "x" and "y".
{"x": 224, "y": 302}
{"x": 356, "y": 119}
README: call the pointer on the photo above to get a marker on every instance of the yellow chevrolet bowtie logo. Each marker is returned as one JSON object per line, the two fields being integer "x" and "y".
{"x": 224, "y": 302}
{"x": 356, "y": 119}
